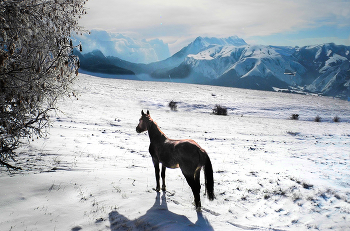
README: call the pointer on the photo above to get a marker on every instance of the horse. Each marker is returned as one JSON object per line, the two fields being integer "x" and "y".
{"x": 185, "y": 154}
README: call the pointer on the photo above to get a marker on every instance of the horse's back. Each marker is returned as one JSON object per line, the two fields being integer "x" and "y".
{"x": 188, "y": 150}
{"x": 188, "y": 145}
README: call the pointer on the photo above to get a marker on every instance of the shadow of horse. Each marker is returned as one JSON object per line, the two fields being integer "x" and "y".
{"x": 158, "y": 217}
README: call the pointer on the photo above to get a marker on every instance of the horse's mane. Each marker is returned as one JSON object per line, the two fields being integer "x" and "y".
{"x": 154, "y": 126}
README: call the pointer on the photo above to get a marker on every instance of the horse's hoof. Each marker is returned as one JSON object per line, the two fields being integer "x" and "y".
{"x": 198, "y": 206}
{"x": 163, "y": 189}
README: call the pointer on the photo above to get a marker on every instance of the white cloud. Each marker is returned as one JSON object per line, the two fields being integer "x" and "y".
{"x": 118, "y": 45}
{"x": 180, "y": 20}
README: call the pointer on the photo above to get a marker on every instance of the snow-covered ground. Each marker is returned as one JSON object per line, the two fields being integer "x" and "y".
{"x": 94, "y": 172}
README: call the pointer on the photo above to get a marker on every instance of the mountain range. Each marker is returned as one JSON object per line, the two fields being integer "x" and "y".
{"x": 322, "y": 69}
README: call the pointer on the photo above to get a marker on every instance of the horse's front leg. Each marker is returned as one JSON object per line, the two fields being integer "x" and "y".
{"x": 156, "y": 171}
{"x": 163, "y": 178}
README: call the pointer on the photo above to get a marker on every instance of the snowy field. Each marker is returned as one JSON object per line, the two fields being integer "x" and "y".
{"x": 94, "y": 172}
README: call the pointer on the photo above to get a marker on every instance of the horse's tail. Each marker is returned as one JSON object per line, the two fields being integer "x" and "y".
{"x": 209, "y": 179}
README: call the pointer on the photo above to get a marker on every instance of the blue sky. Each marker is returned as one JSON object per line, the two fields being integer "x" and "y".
{"x": 268, "y": 22}
{"x": 311, "y": 36}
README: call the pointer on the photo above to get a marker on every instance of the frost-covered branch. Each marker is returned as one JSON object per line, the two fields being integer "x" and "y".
{"x": 37, "y": 65}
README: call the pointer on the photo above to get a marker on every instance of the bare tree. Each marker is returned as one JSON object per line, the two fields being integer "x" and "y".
{"x": 37, "y": 66}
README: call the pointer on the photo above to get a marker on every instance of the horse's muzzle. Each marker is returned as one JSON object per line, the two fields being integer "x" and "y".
{"x": 138, "y": 130}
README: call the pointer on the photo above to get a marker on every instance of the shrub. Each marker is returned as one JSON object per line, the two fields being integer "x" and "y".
{"x": 219, "y": 110}
{"x": 317, "y": 119}
{"x": 307, "y": 186}
{"x": 294, "y": 117}
{"x": 336, "y": 119}
{"x": 173, "y": 105}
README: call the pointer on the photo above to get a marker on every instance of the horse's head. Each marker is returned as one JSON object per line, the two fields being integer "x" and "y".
{"x": 144, "y": 122}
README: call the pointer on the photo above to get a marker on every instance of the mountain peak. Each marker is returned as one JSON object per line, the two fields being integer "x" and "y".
{"x": 202, "y": 43}
{"x": 232, "y": 40}
{"x": 95, "y": 53}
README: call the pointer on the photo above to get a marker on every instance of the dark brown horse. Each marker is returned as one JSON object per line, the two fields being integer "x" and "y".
{"x": 186, "y": 154}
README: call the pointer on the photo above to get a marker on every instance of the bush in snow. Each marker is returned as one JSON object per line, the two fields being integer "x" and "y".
{"x": 294, "y": 117}
{"x": 173, "y": 105}
{"x": 219, "y": 110}
{"x": 336, "y": 119}
{"x": 36, "y": 66}
{"x": 317, "y": 119}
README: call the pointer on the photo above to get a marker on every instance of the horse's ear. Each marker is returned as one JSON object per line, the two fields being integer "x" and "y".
{"x": 147, "y": 112}
{"x": 142, "y": 113}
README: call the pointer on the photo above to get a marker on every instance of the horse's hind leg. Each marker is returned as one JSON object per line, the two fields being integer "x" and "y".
{"x": 197, "y": 185}
{"x": 163, "y": 178}
{"x": 194, "y": 182}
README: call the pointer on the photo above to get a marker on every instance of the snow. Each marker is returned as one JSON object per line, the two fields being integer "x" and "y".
{"x": 249, "y": 60}
{"x": 333, "y": 61}
{"x": 210, "y": 46}
{"x": 329, "y": 52}
{"x": 285, "y": 50}
{"x": 94, "y": 172}
{"x": 215, "y": 51}
{"x": 214, "y": 60}
{"x": 261, "y": 60}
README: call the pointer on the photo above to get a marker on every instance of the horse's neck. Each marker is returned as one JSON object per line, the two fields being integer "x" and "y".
{"x": 155, "y": 134}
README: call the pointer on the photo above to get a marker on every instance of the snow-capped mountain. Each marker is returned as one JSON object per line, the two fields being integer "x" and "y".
{"x": 199, "y": 44}
{"x": 123, "y": 47}
{"x": 323, "y": 69}
{"x": 203, "y": 43}
{"x": 232, "y": 62}
{"x": 332, "y": 66}
{"x": 250, "y": 60}
{"x": 244, "y": 62}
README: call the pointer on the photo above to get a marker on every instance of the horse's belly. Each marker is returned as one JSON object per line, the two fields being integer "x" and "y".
{"x": 167, "y": 156}
{"x": 174, "y": 166}
{"x": 170, "y": 164}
